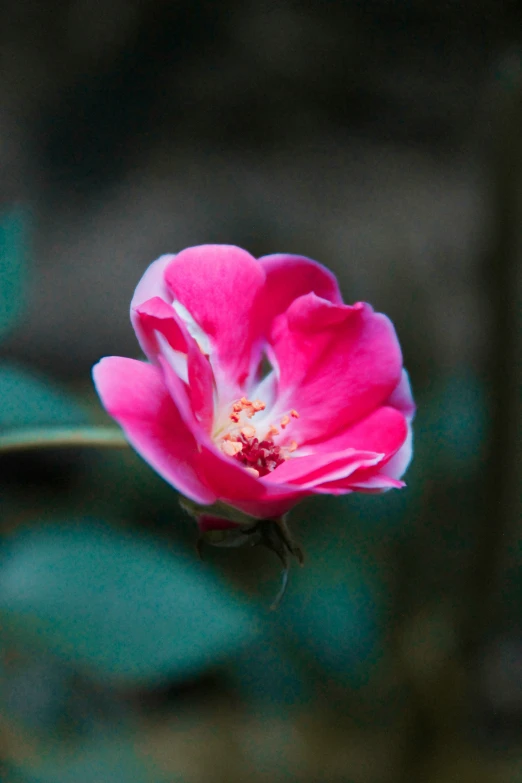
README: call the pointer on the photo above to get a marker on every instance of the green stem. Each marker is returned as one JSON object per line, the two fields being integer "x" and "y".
{"x": 62, "y": 437}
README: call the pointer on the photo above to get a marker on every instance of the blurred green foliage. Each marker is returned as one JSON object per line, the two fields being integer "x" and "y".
{"x": 118, "y": 606}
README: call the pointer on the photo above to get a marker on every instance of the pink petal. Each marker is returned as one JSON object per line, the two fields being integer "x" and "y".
{"x": 156, "y": 315}
{"x": 135, "y": 394}
{"x": 383, "y": 431}
{"x": 201, "y": 386}
{"x": 159, "y": 318}
{"x": 287, "y": 278}
{"x": 377, "y": 484}
{"x": 152, "y": 284}
{"x": 218, "y": 285}
{"x": 401, "y": 397}
{"x": 386, "y": 431}
{"x": 198, "y": 420}
{"x": 315, "y": 469}
{"x": 337, "y": 364}
{"x": 180, "y": 394}
{"x": 398, "y": 464}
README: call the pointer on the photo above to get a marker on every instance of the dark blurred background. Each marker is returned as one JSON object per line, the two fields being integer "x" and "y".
{"x": 384, "y": 140}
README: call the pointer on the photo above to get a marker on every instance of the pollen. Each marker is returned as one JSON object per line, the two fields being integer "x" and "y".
{"x": 249, "y": 407}
{"x": 285, "y": 421}
{"x": 231, "y": 447}
{"x": 294, "y": 414}
{"x": 248, "y": 431}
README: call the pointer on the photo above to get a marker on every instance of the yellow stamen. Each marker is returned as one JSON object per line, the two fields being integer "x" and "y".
{"x": 250, "y": 408}
{"x": 231, "y": 447}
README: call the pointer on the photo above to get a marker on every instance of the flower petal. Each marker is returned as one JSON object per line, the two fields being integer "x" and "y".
{"x": 167, "y": 331}
{"x": 315, "y": 469}
{"x": 379, "y": 482}
{"x": 398, "y": 464}
{"x": 287, "y": 278}
{"x": 383, "y": 431}
{"x": 134, "y": 393}
{"x": 151, "y": 285}
{"x": 360, "y": 482}
{"x": 199, "y": 421}
{"x": 218, "y": 285}
{"x": 156, "y": 315}
{"x": 201, "y": 385}
{"x": 402, "y": 398}
{"x": 337, "y": 363}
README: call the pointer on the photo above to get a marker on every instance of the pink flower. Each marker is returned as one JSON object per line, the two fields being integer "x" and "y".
{"x": 332, "y": 415}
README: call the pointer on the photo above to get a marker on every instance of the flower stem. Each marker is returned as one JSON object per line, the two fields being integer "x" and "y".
{"x": 61, "y": 437}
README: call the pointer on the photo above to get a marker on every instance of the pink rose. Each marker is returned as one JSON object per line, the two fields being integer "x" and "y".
{"x": 332, "y": 414}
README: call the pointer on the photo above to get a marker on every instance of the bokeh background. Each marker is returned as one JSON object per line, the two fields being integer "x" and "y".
{"x": 383, "y": 139}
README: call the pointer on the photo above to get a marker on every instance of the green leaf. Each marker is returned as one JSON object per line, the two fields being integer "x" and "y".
{"x": 119, "y": 606}
{"x": 31, "y": 400}
{"x": 13, "y": 259}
